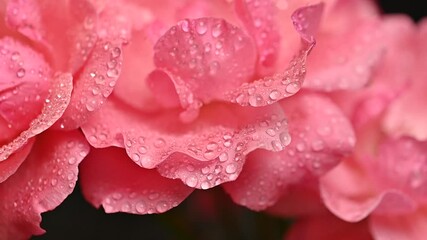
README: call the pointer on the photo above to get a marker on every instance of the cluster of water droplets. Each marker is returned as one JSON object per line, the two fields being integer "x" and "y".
{"x": 97, "y": 80}
{"x": 202, "y": 55}
{"x": 274, "y": 88}
{"x": 222, "y": 156}
{"x": 63, "y": 162}
{"x": 54, "y": 106}
{"x": 141, "y": 202}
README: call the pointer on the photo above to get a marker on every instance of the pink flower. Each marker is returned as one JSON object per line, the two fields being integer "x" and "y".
{"x": 188, "y": 107}
{"x": 384, "y": 181}
{"x": 54, "y": 58}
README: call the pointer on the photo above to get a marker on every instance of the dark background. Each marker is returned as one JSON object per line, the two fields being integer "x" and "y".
{"x": 220, "y": 219}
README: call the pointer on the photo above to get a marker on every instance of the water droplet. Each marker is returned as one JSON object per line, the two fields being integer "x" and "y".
{"x": 72, "y": 160}
{"x": 201, "y": 27}
{"x": 209, "y": 155}
{"x": 216, "y": 30}
{"x": 112, "y": 63}
{"x": 142, "y": 150}
{"x": 256, "y": 100}
{"x": 231, "y": 168}
{"x": 159, "y": 143}
{"x": 112, "y": 73}
{"x": 292, "y": 88}
{"x": 191, "y": 181}
{"x": 184, "y": 25}
{"x": 239, "y": 99}
{"x": 15, "y": 56}
{"x": 116, "y": 52}
{"x": 223, "y": 157}
{"x": 140, "y": 207}
{"x": 162, "y": 207}
{"x": 117, "y": 196}
{"x": 205, "y": 170}
{"x": 135, "y": 157}
{"x": 271, "y": 132}
{"x": 204, "y": 185}
{"x": 277, "y": 146}
{"x": 274, "y": 95}
{"x": 285, "y": 138}
{"x": 20, "y": 73}
{"x": 53, "y": 182}
{"x": 300, "y": 147}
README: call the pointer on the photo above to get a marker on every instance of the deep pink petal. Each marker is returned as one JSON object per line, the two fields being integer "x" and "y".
{"x": 54, "y": 106}
{"x": 299, "y": 200}
{"x": 328, "y": 227}
{"x": 407, "y": 115}
{"x": 109, "y": 178}
{"x": 10, "y": 165}
{"x": 400, "y": 227}
{"x": 205, "y": 57}
{"x": 215, "y": 144}
{"x": 321, "y": 136}
{"x": 274, "y": 88}
{"x": 42, "y": 182}
{"x": 41, "y": 21}
{"x": 24, "y": 83}
{"x": 260, "y": 20}
{"x": 94, "y": 84}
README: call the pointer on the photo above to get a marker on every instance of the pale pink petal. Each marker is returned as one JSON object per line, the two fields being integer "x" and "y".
{"x": 214, "y": 144}
{"x": 402, "y": 164}
{"x": 205, "y": 57}
{"x": 321, "y": 136}
{"x": 42, "y": 20}
{"x": 260, "y": 20}
{"x": 42, "y": 182}
{"x": 24, "y": 83}
{"x": 274, "y": 88}
{"x": 109, "y": 178}
{"x": 93, "y": 85}
{"x": 328, "y": 227}
{"x": 411, "y": 226}
{"x": 352, "y": 195}
{"x": 54, "y": 106}
{"x": 407, "y": 115}
{"x": 348, "y": 48}
{"x": 9, "y": 166}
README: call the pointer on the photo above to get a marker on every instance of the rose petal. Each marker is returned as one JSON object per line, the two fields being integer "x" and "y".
{"x": 41, "y": 21}
{"x": 24, "y": 83}
{"x": 351, "y": 195}
{"x": 347, "y": 47}
{"x": 326, "y": 227}
{"x": 403, "y": 227}
{"x": 54, "y": 107}
{"x": 321, "y": 137}
{"x": 109, "y": 178}
{"x": 221, "y": 136}
{"x": 42, "y": 182}
{"x": 402, "y": 164}
{"x": 260, "y": 20}
{"x": 94, "y": 84}
{"x": 205, "y": 57}
{"x": 9, "y": 167}
{"x": 274, "y": 88}
{"x": 407, "y": 115}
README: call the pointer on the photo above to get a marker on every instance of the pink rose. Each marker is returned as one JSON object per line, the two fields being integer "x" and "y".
{"x": 56, "y": 68}
{"x": 384, "y": 182}
{"x": 199, "y": 91}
